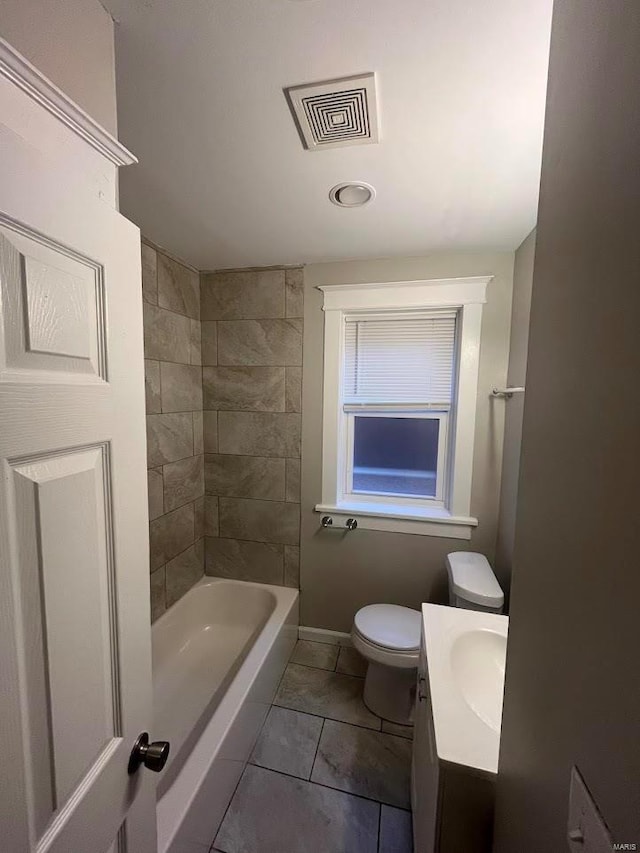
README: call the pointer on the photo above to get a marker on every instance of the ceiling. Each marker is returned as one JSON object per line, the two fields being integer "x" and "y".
{"x": 223, "y": 180}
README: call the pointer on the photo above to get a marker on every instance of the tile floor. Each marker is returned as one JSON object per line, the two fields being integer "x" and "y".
{"x": 326, "y": 775}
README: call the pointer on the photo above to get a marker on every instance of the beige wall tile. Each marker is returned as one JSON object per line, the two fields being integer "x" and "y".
{"x": 243, "y": 295}
{"x": 158, "y": 602}
{"x": 266, "y": 342}
{"x": 198, "y": 434}
{"x": 166, "y": 335}
{"x": 245, "y": 477}
{"x": 170, "y": 534}
{"x": 249, "y": 561}
{"x": 156, "y": 493}
{"x": 183, "y": 571}
{"x": 195, "y": 341}
{"x": 209, "y": 342}
{"x": 183, "y": 481}
{"x": 293, "y": 389}
{"x": 153, "y": 400}
{"x": 211, "y": 525}
{"x": 210, "y": 429}
{"x": 169, "y": 437}
{"x": 259, "y": 434}
{"x": 149, "y": 275}
{"x": 198, "y": 518}
{"x": 244, "y": 388}
{"x": 178, "y": 287}
{"x": 294, "y": 283}
{"x": 260, "y": 521}
{"x": 292, "y": 566}
{"x": 181, "y": 387}
{"x": 293, "y": 481}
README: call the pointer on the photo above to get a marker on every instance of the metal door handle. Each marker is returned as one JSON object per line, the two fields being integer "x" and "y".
{"x": 152, "y": 755}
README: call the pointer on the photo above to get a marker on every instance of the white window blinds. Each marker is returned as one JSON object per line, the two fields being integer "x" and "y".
{"x": 400, "y": 359}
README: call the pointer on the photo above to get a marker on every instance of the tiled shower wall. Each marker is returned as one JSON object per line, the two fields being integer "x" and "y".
{"x": 252, "y": 383}
{"x": 173, "y": 384}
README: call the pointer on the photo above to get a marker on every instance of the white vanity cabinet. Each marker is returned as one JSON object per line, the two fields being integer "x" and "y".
{"x": 424, "y": 767}
{"x": 452, "y": 803}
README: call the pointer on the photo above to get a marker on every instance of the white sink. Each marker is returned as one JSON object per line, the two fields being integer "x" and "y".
{"x": 466, "y": 651}
{"x": 477, "y": 662}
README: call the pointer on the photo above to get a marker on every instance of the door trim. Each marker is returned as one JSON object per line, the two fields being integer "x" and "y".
{"x": 26, "y": 76}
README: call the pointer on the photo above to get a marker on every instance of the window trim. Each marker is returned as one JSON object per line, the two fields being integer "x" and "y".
{"x": 372, "y": 411}
{"x": 467, "y": 296}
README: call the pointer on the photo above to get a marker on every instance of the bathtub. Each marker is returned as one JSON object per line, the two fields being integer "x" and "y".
{"x": 218, "y": 656}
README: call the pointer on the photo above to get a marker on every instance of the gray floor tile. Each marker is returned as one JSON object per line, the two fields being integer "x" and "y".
{"x": 272, "y": 813}
{"x": 397, "y": 729}
{"x": 372, "y": 764}
{"x": 396, "y": 834}
{"x": 320, "y": 655}
{"x": 288, "y": 742}
{"x": 351, "y": 662}
{"x": 328, "y": 694}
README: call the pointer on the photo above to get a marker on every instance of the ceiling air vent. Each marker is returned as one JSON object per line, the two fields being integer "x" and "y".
{"x": 337, "y": 112}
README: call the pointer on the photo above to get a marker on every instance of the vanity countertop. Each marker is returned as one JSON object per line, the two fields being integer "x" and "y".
{"x": 466, "y": 653}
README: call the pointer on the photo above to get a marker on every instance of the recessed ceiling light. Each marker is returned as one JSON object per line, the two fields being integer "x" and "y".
{"x": 352, "y": 194}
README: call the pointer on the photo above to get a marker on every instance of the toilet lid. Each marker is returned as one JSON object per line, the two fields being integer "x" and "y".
{"x": 390, "y": 625}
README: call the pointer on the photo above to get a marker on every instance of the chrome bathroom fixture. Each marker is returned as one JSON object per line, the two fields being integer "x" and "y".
{"x": 507, "y": 393}
{"x": 350, "y": 523}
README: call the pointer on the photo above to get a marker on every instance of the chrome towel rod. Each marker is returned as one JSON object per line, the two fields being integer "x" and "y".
{"x": 350, "y": 523}
{"x": 507, "y": 393}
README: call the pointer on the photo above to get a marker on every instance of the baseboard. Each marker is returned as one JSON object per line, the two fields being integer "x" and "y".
{"x": 324, "y": 635}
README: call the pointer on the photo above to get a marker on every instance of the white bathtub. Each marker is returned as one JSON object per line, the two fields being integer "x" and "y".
{"x": 218, "y": 655}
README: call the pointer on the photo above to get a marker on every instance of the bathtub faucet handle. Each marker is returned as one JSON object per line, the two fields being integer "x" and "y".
{"x": 351, "y": 524}
{"x": 327, "y": 521}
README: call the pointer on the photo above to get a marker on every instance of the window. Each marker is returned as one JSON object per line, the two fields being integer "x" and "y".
{"x": 399, "y": 403}
{"x": 398, "y": 371}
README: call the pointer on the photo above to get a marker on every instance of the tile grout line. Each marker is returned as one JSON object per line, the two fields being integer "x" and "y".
{"x": 315, "y": 755}
{"x": 324, "y": 669}
{"x": 328, "y": 788}
{"x": 334, "y": 720}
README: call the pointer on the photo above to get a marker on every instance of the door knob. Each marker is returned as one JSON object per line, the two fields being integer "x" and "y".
{"x": 152, "y": 755}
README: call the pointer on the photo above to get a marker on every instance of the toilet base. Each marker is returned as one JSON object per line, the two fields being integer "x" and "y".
{"x": 390, "y": 692}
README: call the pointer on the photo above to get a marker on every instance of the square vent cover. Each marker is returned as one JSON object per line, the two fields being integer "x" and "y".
{"x": 336, "y": 113}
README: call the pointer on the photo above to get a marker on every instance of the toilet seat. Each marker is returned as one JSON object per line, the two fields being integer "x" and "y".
{"x": 383, "y": 655}
{"x": 389, "y": 626}
{"x": 388, "y": 634}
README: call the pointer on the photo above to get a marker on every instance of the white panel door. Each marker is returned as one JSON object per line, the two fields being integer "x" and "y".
{"x": 75, "y": 674}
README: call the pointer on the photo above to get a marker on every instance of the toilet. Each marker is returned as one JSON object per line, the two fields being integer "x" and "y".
{"x": 388, "y": 635}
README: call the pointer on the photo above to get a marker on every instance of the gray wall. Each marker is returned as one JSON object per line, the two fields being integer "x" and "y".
{"x": 514, "y": 408}
{"x": 173, "y": 385}
{"x": 340, "y": 573}
{"x": 573, "y": 671}
{"x": 252, "y": 378}
{"x": 72, "y": 44}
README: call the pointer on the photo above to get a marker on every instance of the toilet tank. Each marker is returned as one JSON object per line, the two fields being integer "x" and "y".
{"x": 472, "y": 583}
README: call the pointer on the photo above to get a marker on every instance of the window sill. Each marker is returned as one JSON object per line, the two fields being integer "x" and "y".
{"x": 433, "y": 522}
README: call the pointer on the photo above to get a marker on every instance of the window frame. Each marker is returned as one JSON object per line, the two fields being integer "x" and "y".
{"x": 350, "y": 413}
{"x": 452, "y": 519}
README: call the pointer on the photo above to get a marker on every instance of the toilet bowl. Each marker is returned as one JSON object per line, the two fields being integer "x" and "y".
{"x": 388, "y": 635}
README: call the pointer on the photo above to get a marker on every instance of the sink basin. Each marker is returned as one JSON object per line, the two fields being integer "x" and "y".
{"x": 465, "y": 657}
{"x": 477, "y": 662}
